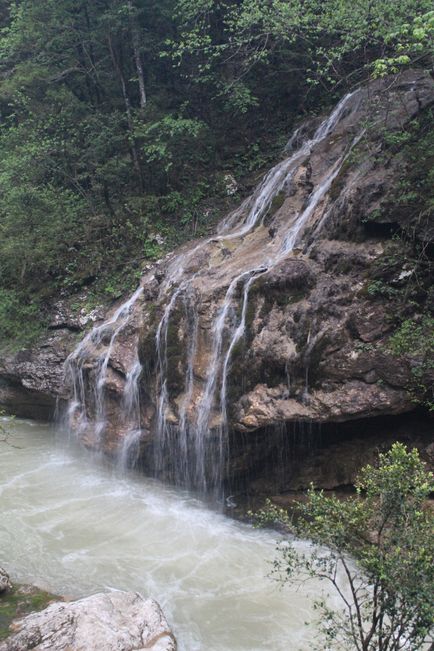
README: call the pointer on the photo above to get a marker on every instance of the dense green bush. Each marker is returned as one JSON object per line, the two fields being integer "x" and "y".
{"x": 375, "y": 550}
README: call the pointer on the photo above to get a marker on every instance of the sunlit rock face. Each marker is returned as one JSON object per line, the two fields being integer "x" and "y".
{"x": 267, "y": 322}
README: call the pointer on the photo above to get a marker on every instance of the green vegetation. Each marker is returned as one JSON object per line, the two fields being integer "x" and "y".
{"x": 374, "y": 549}
{"x": 415, "y": 339}
{"x": 21, "y": 601}
{"x": 323, "y": 43}
{"x": 120, "y": 120}
{"x": 404, "y": 274}
{"x": 412, "y": 40}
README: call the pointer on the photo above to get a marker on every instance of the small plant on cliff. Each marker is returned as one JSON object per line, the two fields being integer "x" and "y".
{"x": 377, "y": 551}
{"x": 5, "y": 428}
{"x": 415, "y": 339}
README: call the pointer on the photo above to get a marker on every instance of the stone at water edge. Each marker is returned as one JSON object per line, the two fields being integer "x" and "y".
{"x": 5, "y": 582}
{"x": 115, "y": 621}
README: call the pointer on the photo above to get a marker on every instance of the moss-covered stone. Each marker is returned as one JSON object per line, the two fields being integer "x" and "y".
{"x": 276, "y": 203}
{"x": 21, "y": 601}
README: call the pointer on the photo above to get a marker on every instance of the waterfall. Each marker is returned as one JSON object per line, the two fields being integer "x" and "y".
{"x": 236, "y": 337}
{"x": 185, "y": 431}
{"x": 191, "y": 432}
{"x": 129, "y": 450}
{"x": 273, "y": 183}
{"x": 280, "y": 175}
{"x": 131, "y": 398}
{"x": 78, "y": 408}
{"x": 209, "y": 477}
{"x": 163, "y": 433}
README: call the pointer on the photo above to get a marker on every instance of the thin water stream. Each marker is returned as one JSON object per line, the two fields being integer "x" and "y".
{"x": 76, "y": 527}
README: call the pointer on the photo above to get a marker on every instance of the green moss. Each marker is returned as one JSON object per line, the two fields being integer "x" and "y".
{"x": 276, "y": 203}
{"x": 21, "y": 601}
{"x": 152, "y": 310}
{"x": 414, "y": 338}
{"x": 267, "y": 305}
{"x": 338, "y": 183}
{"x": 250, "y": 314}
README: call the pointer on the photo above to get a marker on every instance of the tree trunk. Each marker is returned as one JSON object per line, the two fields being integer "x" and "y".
{"x": 132, "y": 142}
{"x": 137, "y": 57}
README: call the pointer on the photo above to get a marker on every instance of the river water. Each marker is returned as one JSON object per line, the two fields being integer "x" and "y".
{"x": 75, "y": 526}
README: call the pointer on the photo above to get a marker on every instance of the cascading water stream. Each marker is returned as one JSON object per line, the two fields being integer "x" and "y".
{"x": 163, "y": 429}
{"x": 183, "y": 469}
{"x": 132, "y": 395}
{"x": 281, "y": 174}
{"x": 197, "y": 457}
{"x": 129, "y": 450}
{"x": 289, "y": 243}
{"x": 206, "y": 478}
{"x": 236, "y": 337}
{"x": 314, "y": 200}
{"x": 77, "y": 419}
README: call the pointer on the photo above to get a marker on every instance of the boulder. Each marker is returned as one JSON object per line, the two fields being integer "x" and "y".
{"x": 290, "y": 274}
{"x": 115, "y": 621}
{"x": 5, "y": 583}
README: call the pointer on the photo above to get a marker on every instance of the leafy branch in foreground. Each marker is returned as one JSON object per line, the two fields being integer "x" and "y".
{"x": 375, "y": 549}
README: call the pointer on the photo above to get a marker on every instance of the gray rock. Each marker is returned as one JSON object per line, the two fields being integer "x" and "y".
{"x": 116, "y": 621}
{"x": 5, "y": 582}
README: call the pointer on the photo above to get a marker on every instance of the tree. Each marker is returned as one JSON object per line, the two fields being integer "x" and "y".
{"x": 410, "y": 44}
{"x": 375, "y": 549}
{"x": 323, "y": 42}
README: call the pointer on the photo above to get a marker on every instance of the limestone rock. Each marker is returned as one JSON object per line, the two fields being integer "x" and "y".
{"x": 115, "y": 621}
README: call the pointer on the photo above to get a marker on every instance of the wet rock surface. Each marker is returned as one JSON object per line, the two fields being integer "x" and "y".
{"x": 116, "y": 621}
{"x": 315, "y": 343}
{"x": 31, "y": 381}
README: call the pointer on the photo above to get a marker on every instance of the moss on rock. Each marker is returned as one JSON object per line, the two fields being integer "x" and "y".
{"x": 21, "y": 601}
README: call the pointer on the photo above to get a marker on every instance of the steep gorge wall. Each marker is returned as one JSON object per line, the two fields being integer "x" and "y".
{"x": 315, "y": 319}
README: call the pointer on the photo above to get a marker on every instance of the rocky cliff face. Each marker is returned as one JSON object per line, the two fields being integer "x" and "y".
{"x": 285, "y": 316}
